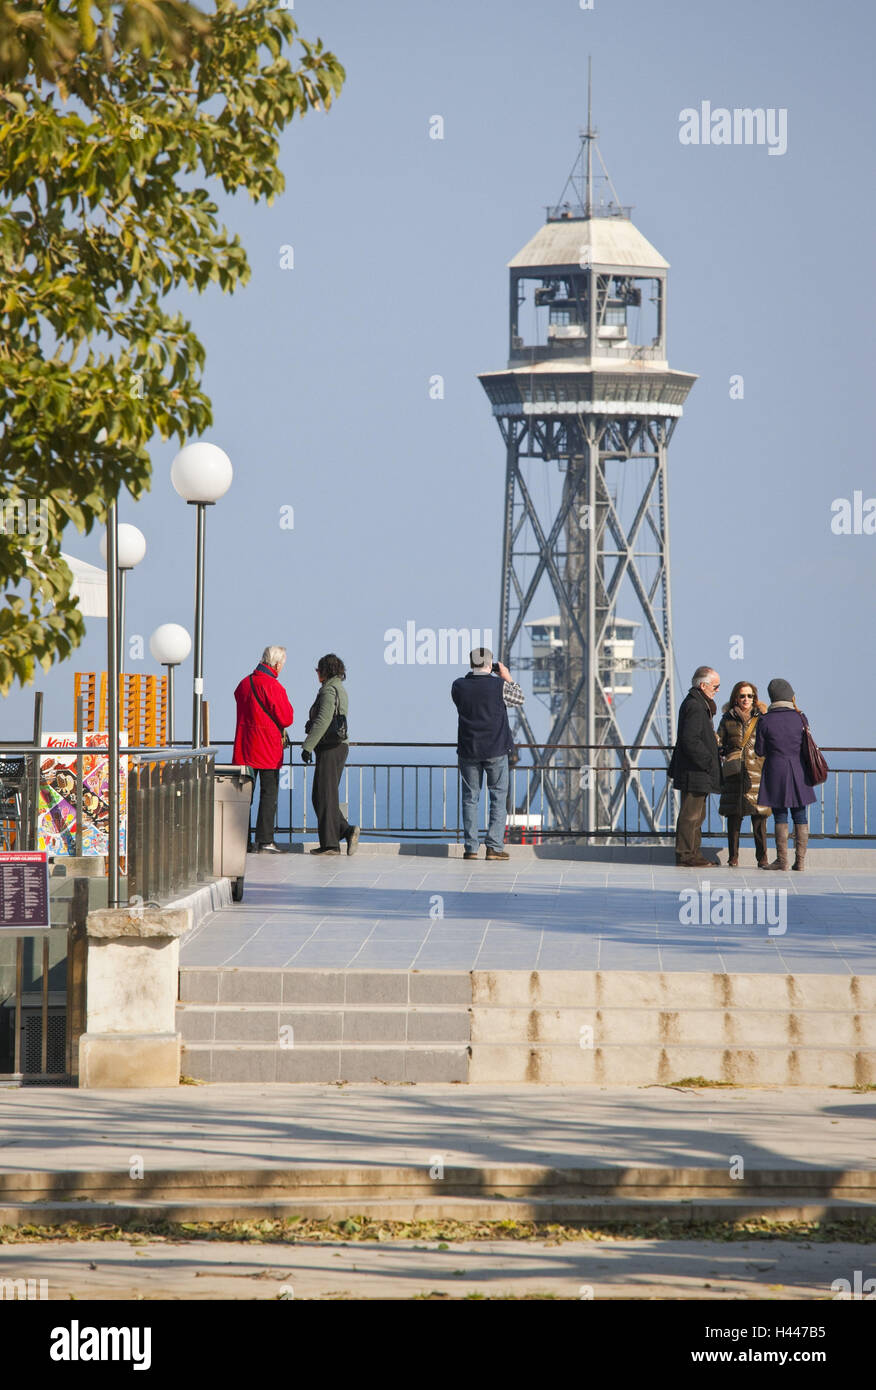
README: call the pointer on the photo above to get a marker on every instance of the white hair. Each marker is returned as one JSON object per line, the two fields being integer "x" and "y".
{"x": 702, "y": 673}
{"x": 274, "y": 656}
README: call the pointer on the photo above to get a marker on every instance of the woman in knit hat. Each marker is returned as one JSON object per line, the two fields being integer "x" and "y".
{"x": 779, "y": 740}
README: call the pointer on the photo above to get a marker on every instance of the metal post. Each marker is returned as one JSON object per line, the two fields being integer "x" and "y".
{"x": 112, "y": 661}
{"x": 32, "y": 830}
{"x": 123, "y": 577}
{"x": 80, "y": 768}
{"x": 169, "y": 666}
{"x": 198, "y": 680}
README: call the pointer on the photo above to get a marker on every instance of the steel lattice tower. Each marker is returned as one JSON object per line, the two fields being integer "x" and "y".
{"x": 588, "y": 391}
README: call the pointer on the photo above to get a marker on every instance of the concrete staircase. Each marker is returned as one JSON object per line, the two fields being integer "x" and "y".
{"x": 647, "y": 1028}
{"x": 686, "y": 1197}
{"x": 324, "y": 1025}
{"x": 547, "y": 1027}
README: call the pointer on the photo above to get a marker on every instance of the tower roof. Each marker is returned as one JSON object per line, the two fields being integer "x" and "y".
{"x": 601, "y": 242}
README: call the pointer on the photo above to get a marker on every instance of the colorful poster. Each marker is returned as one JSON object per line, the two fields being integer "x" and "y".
{"x": 56, "y": 823}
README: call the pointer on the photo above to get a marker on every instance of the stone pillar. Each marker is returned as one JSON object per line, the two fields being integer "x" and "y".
{"x": 132, "y": 984}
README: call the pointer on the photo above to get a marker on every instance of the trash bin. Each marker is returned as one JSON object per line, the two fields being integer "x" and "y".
{"x": 232, "y": 799}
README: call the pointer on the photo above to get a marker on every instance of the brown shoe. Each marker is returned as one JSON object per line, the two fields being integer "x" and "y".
{"x": 697, "y": 862}
{"x": 470, "y": 854}
{"x": 732, "y": 863}
{"x": 497, "y": 854}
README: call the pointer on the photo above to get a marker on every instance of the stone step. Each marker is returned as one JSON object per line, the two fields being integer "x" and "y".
{"x": 733, "y": 1028}
{"x": 254, "y": 1062}
{"x": 686, "y": 1213}
{"x": 330, "y": 1023}
{"x": 595, "y": 989}
{"x": 650, "y": 1064}
{"x": 384, "y": 1181}
{"x": 251, "y": 985}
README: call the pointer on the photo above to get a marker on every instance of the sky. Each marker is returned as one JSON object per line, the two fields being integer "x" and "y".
{"x": 320, "y": 374}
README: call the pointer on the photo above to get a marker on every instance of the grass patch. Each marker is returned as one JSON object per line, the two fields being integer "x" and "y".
{"x": 699, "y": 1081}
{"x": 438, "y": 1234}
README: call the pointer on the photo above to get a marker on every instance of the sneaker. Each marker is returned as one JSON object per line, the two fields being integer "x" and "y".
{"x": 470, "y": 854}
{"x": 352, "y": 839}
{"x": 269, "y": 849}
{"x": 497, "y": 854}
{"x": 319, "y": 850}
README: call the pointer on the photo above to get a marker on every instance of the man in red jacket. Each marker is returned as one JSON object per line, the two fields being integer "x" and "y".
{"x": 263, "y": 712}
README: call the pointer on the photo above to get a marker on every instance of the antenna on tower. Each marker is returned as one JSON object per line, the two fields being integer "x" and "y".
{"x": 589, "y": 136}
{"x": 581, "y": 174}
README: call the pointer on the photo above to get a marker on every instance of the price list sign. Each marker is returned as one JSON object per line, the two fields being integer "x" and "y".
{"x": 24, "y": 889}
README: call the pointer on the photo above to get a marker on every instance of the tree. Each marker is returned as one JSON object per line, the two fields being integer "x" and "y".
{"x": 111, "y": 117}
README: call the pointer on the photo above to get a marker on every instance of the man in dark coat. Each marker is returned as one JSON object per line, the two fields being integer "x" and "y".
{"x": 695, "y": 766}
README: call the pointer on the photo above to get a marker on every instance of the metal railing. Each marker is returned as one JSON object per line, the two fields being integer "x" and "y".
{"x": 421, "y": 800}
{"x": 170, "y": 822}
{"x": 168, "y": 847}
{"x": 169, "y": 840}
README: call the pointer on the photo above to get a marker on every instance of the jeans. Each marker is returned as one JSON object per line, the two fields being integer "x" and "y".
{"x": 471, "y": 776}
{"x": 799, "y": 814}
{"x": 269, "y": 786}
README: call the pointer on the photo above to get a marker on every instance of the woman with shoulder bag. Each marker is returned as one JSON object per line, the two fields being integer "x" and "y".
{"x": 781, "y": 736}
{"x": 326, "y": 737}
{"x": 740, "y": 788}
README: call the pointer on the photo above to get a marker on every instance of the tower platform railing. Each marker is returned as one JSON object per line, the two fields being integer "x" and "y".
{"x": 413, "y": 794}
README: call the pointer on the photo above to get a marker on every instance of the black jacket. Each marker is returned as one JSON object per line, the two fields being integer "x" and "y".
{"x": 696, "y": 764}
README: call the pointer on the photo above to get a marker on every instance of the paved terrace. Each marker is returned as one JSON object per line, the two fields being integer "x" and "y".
{"x": 410, "y": 911}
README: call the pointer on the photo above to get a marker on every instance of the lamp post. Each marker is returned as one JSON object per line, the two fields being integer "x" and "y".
{"x": 201, "y": 473}
{"x": 112, "y": 740}
{"x": 131, "y": 547}
{"x": 170, "y": 644}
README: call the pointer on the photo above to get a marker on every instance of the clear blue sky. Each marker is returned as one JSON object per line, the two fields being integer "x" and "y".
{"x": 319, "y": 375}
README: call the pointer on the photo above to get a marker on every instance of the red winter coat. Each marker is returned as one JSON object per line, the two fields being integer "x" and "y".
{"x": 257, "y": 740}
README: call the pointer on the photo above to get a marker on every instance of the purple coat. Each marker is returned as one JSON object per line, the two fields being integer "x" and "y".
{"x": 779, "y": 740}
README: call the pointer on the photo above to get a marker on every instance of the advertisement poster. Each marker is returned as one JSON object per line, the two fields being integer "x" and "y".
{"x": 56, "y": 824}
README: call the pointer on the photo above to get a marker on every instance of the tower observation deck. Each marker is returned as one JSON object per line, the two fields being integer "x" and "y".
{"x": 587, "y": 406}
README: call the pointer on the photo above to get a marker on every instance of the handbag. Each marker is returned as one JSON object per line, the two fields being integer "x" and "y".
{"x": 286, "y": 739}
{"x": 815, "y": 768}
{"x": 336, "y": 733}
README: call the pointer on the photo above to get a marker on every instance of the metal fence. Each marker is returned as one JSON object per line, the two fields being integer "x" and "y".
{"x": 169, "y": 847}
{"x": 170, "y": 822}
{"x": 420, "y": 800}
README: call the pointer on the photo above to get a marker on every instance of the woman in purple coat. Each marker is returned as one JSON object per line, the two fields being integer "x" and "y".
{"x": 779, "y": 740}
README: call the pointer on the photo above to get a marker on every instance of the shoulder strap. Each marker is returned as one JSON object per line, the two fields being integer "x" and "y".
{"x": 749, "y": 731}
{"x": 261, "y": 702}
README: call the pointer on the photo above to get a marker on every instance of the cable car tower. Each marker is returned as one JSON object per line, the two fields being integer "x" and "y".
{"x": 587, "y": 406}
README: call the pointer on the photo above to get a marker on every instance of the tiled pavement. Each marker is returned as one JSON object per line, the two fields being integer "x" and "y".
{"x": 402, "y": 912}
